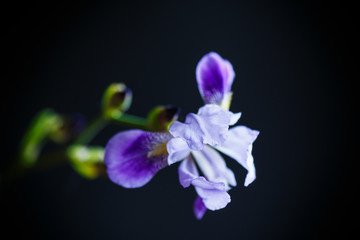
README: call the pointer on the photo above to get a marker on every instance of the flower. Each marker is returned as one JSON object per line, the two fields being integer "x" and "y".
{"x": 133, "y": 157}
{"x": 195, "y": 141}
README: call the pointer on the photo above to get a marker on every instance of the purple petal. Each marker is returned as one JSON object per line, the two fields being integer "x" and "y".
{"x": 215, "y": 76}
{"x": 133, "y": 157}
{"x": 214, "y": 195}
{"x": 238, "y": 146}
{"x": 187, "y": 172}
{"x": 214, "y": 167}
{"x": 177, "y": 149}
{"x": 199, "y": 208}
{"x": 209, "y": 126}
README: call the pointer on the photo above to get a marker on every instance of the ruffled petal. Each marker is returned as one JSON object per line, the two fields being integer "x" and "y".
{"x": 209, "y": 126}
{"x": 214, "y": 167}
{"x": 133, "y": 157}
{"x": 177, "y": 149}
{"x": 187, "y": 172}
{"x": 199, "y": 208}
{"x": 213, "y": 195}
{"x": 214, "y": 76}
{"x": 239, "y": 146}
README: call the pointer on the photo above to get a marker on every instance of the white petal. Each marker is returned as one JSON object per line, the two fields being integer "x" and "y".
{"x": 187, "y": 172}
{"x": 213, "y": 166}
{"x": 209, "y": 126}
{"x": 238, "y": 146}
{"x": 177, "y": 149}
{"x": 214, "y": 195}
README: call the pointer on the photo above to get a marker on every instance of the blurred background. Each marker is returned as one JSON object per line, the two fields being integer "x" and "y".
{"x": 293, "y": 64}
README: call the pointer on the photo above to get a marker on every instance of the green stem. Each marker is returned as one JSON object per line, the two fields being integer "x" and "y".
{"x": 52, "y": 160}
{"x": 132, "y": 121}
{"x": 91, "y": 130}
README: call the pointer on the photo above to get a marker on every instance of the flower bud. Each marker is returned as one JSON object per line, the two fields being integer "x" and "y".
{"x": 87, "y": 161}
{"x": 36, "y": 136}
{"x": 116, "y": 100}
{"x": 67, "y": 128}
{"x": 160, "y": 118}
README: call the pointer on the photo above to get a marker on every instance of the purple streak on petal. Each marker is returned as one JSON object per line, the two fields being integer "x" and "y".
{"x": 209, "y": 126}
{"x": 215, "y": 76}
{"x": 177, "y": 149}
{"x": 239, "y": 146}
{"x": 127, "y": 157}
{"x": 213, "y": 194}
{"x": 214, "y": 167}
{"x": 187, "y": 172}
{"x": 199, "y": 208}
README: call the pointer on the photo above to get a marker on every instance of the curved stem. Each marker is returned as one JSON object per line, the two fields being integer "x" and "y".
{"x": 132, "y": 121}
{"x": 91, "y": 130}
{"x": 46, "y": 161}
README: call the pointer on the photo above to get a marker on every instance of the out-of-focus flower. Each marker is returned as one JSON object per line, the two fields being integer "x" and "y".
{"x": 46, "y": 122}
{"x": 87, "y": 161}
{"x": 67, "y": 127}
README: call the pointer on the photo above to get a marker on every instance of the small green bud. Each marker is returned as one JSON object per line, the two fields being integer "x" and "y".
{"x": 160, "y": 117}
{"x": 116, "y": 100}
{"x": 36, "y": 135}
{"x": 67, "y": 128}
{"x": 87, "y": 161}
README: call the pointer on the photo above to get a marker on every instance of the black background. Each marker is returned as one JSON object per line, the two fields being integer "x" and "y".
{"x": 293, "y": 64}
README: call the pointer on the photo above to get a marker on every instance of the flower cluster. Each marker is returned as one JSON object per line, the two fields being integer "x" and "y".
{"x": 133, "y": 157}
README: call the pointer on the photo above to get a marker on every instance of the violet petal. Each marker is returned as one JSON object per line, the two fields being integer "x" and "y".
{"x": 133, "y": 157}
{"x": 215, "y": 76}
{"x": 199, "y": 208}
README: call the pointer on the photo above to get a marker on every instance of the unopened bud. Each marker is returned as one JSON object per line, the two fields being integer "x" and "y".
{"x": 87, "y": 161}
{"x": 160, "y": 118}
{"x": 36, "y": 136}
{"x": 67, "y": 128}
{"x": 116, "y": 100}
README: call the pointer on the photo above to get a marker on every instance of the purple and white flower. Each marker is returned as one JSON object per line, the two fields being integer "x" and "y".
{"x": 133, "y": 157}
{"x": 237, "y": 143}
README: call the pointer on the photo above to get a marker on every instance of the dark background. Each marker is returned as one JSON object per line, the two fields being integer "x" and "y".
{"x": 293, "y": 64}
